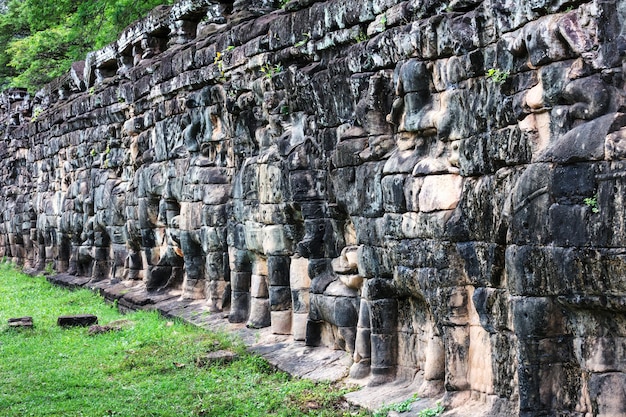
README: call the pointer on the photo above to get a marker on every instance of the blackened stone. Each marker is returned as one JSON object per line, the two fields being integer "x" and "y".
{"x": 313, "y": 333}
{"x": 384, "y": 314}
{"x": 571, "y": 181}
{"x": 379, "y": 288}
{"x": 345, "y": 314}
{"x": 537, "y": 317}
{"x": 585, "y": 142}
{"x": 319, "y": 267}
{"x": 280, "y": 298}
{"x": 321, "y": 282}
{"x": 278, "y": 270}
{"x": 384, "y": 351}
{"x": 26, "y": 322}
{"x": 240, "y": 281}
{"x": 567, "y": 224}
{"x": 240, "y": 307}
{"x": 484, "y": 262}
{"x": 322, "y": 308}
{"x": 77, "y": 320}
{"x": 158, "y": 276}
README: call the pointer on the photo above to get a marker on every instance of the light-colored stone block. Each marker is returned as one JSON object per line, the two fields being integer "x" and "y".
{"x": 270, "y": 184}
{"x": 298, "y": 326}
{"x": 440, "y": 192}
{"x": 259, "y": 266}
{"x": 281, "y": 322}
{"x": 258, "y": 286}
{"x": 299, "y": 273}
{"x": 480, "y": 361}
{"x": 275, "y": 240}
{"x": 254, "y": 236}
{"x": 259, "y": 313}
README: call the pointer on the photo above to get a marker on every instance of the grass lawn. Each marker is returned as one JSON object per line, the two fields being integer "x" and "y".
{"x": 148, "y": 368}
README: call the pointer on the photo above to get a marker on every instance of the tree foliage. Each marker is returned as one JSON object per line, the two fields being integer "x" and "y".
{"x": 39, "y": 39}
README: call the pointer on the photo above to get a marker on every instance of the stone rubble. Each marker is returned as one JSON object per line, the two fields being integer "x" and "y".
{"x": 21, "y": 322}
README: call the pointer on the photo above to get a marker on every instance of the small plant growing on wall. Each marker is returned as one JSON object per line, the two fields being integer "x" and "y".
{"x": 307, "y": 36}
{"x": 270, "y": 70}
{"x": 383, "y": 22}
{"x": 592, "y": 202}
{"x": 361, "y": 37}
{"x": 36, "y": 112}
{"x": 497, "y": 75}
{"x": 219, "y": 61}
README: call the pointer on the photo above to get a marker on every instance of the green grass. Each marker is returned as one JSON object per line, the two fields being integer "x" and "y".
{"x": 146, "y": 369}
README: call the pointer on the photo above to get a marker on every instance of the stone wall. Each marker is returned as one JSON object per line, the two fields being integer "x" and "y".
{"x": 435, "y": 187}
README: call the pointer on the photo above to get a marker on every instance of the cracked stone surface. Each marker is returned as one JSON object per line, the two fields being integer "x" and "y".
{"x": 413, "y": 194}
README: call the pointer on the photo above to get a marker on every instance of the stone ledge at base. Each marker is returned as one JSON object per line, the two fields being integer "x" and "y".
{"x": 314, "y": 363}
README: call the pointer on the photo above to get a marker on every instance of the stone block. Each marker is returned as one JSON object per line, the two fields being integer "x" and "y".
{"x": 280, "y": 298}
{"x": 345, "y": 312}
{"x": 299, "y": 273}
{"x": 298, "y": 326}
{"x": 216, "y": 266}
{"x": 258, "y": 286}
{"x": 537, "y": 317}
{"x": 384, "y": 315}
{"x": 412, "y": 188}
{"x": 347, "y": 152}
{"x": 601, "y": 354}
{"x": 393, "y": 193}
{"x": 384, "y": 352}
{"x": 300, "y": 300}
{"x": 270, "y": 184}
{"x": 308, "y": 185}
{"x": 82, "y": 320}
{"x": 369, "y": 189}
{"x": 457, "y": 343}
{"x": 338, "y": 289}
{"x": 440, "y": 192}
{"x": 240, "y": 281}
{"x": 259, "y": 266}
{"x": 425, "y": 225}
{"x": 276, "y": 241}
{"x": 255, "y": 235}
{"x": 567, "y": 224}
{"x": 23, "y": 322}
{"x": 607, "y": 391}
{"x": 239, "y": 260}
{"x": 281, "y": 322}
{"x": 278, "y": 270}
{"x": 259, "y": 313}
{"x": 480, "y": 361}
{"x": 239, "y": 307}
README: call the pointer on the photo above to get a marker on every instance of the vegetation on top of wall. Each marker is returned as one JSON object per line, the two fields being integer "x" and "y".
{"x": 39, "y": 39}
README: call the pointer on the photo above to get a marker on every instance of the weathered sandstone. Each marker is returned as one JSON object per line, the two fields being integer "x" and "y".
{"x": 436, "y": 188}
